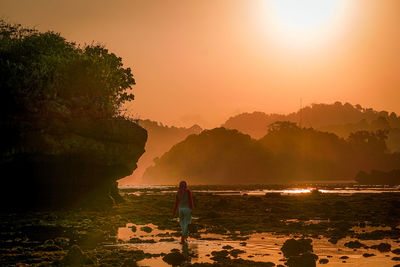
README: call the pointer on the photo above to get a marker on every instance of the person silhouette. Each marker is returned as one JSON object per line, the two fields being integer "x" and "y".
{"x": 184, "y": 204}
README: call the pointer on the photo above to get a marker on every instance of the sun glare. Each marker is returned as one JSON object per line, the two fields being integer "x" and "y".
{"x": 303, "y": 22}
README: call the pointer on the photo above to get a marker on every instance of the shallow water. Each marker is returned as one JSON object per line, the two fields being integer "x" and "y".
{"x": 259, "y": 247}
{"x": 346, "y": 190}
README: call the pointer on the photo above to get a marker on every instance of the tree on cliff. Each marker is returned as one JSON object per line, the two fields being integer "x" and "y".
{"x": 42, "y": 69}
{"x": 64, "y": 142}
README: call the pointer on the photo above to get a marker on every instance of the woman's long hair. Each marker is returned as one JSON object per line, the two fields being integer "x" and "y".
{"x": 182, "y": 188}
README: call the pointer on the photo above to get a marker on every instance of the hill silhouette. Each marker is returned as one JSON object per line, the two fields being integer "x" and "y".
{"x": 338, "y": 118}
{"x": 160, "y": 139}
{"x": 217, "y": 156}
{"x": 379, "y": 177}
{"x": 286, "y": 154}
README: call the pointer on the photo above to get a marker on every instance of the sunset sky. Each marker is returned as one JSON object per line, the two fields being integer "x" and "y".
{"x": 201, "y": 61}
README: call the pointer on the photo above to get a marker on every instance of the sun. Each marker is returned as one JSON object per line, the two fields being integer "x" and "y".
{"x": 303, "y": 21}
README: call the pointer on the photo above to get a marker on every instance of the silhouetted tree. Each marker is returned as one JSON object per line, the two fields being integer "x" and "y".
{"x": 39, "y": 71}
{"x": 369, "y": 142}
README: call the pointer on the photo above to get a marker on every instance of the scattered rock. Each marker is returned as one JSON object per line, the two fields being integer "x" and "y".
{"x": 344, "y": 257}
{"x": 304, "y": 260}
{"x": 220, "y": 255}
{"x": 293, "y": 247}
{"x": 333, "y": 240}
{"x": 227, "y": 247}
{"x": 355, "y": 244}
{"x": 174, "y": 258}
{"x": 323, "y": 261}
{"x": 235, "y": 252}
{"x": 146, "y": 229}
{"x": 382, "y": 247}
{"x": 367, "y": 255}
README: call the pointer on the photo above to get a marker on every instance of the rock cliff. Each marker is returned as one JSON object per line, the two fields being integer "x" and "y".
{"x": 56, "y": 160}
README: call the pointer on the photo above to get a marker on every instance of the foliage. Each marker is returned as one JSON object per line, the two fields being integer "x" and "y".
{"x": 42, "y": 68}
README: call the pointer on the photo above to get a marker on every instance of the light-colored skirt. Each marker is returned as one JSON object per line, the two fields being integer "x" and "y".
{"x": 185, "y": 217}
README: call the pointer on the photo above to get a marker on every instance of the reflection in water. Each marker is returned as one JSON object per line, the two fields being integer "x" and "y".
{"x": 258, "y": 247}
{"x": 190, "y": 251}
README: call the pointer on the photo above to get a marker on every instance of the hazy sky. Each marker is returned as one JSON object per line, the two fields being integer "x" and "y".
{"x": 201, "y": 61}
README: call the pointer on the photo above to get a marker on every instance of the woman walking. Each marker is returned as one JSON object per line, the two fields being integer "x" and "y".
{"x": 184, "y": 203}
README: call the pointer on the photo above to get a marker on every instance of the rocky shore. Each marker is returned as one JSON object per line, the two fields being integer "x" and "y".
{"x": 81, "y": 237}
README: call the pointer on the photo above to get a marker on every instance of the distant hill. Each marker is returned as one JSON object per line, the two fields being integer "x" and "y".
{"x": 160, "y": 139}
{"x": 338, "y": 118}
{"x": 379, "y": 177}
{"x": 217, "y": 156}
{"x": 286, "y": 154}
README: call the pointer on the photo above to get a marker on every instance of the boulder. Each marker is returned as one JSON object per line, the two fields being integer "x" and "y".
{"x": 382, "y": 247}
{"x": 355, "y": 244}
{"x": 303, "y": 260}
{"x": 323, "y": 261}
{"x": 367, "y": 255}
{"x": 293, "y": 247}
{"x": 174, "y": 258}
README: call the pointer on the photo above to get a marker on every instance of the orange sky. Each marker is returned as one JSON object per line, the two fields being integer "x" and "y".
{"x": 201, "y": 61}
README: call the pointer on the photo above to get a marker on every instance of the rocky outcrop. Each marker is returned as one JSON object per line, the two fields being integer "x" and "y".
{"x": 54, "y": 159}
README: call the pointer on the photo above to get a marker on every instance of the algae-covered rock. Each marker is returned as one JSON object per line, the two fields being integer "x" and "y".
{"x": 303, "y": 260}
{"x": 382, "y": 247}
{"x": 367, "y": 255}
{"x": 219, "y": 256}
{"x": 293, "y": 247}
{"x": 396, "y": 251}
{"x": 355, "y": 244}
{"x": 174, "y": 258}
{"x": 146, "y": 229}
{"x": 299, "y": 253}
{"x": 323, "y": 261}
